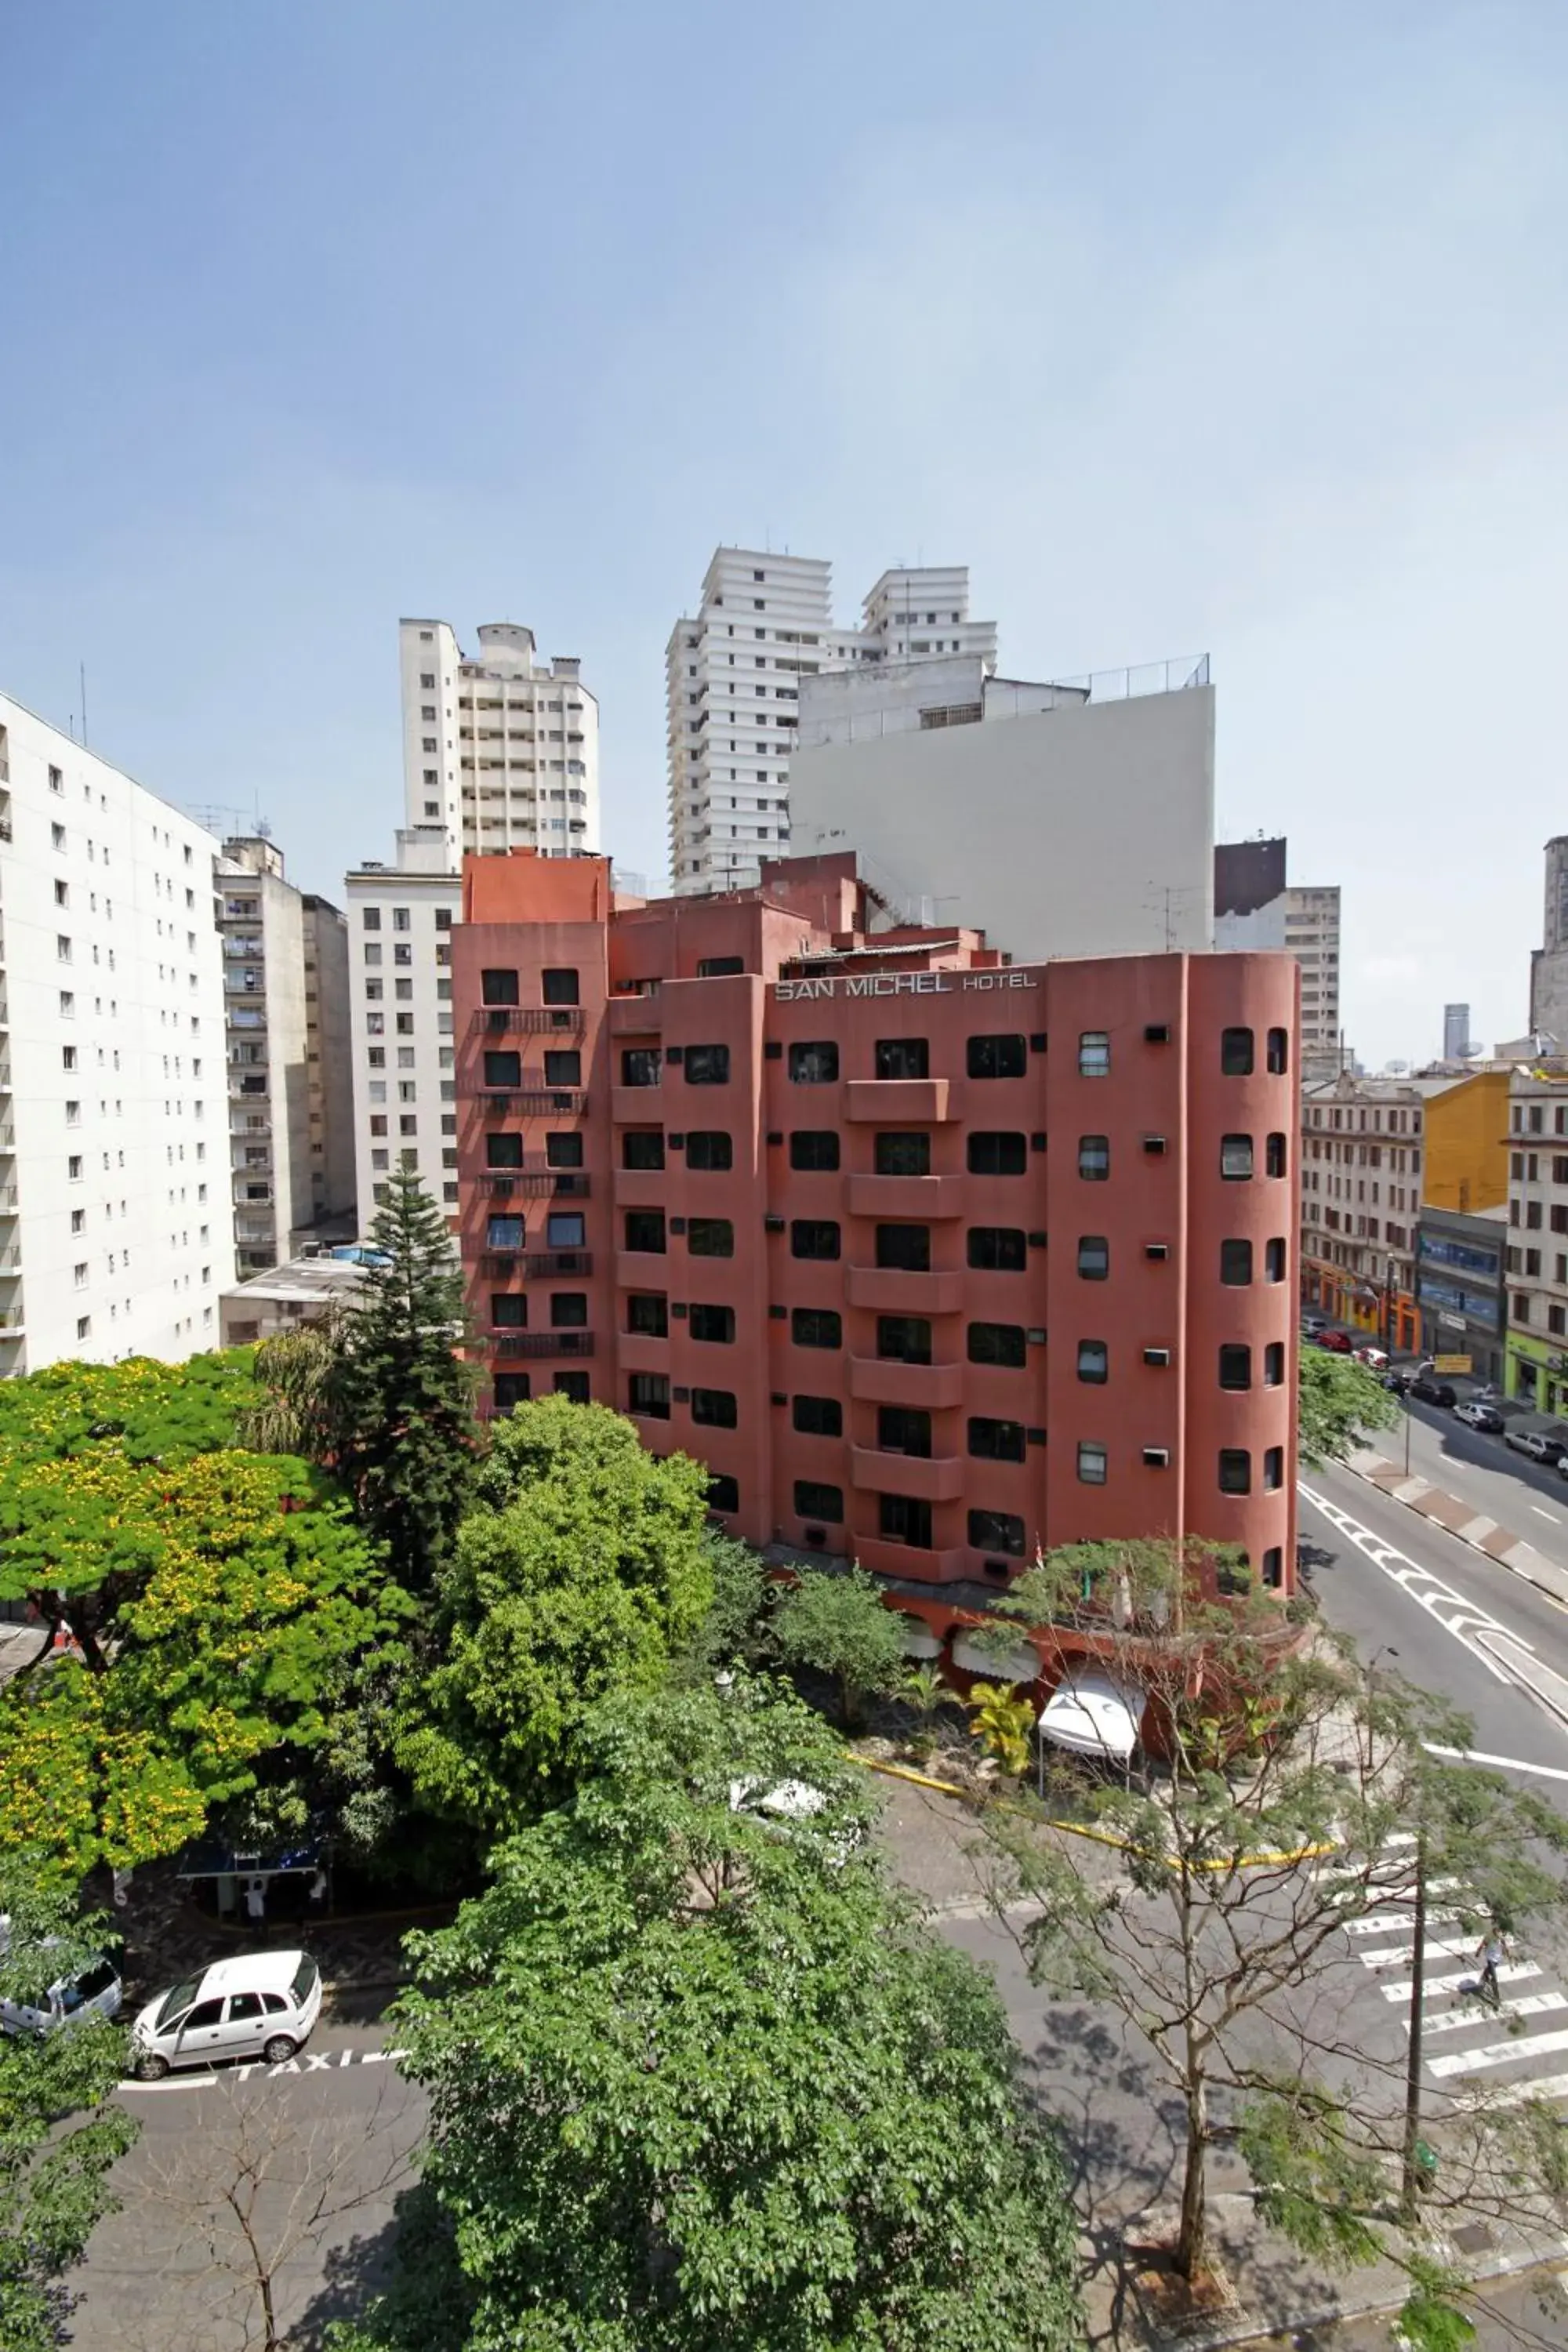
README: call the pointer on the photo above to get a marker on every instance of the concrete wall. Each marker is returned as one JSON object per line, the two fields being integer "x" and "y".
{"x": 1076, "y": 832}
{"x": 1467, "y": 1151}
{"x": 331, "y": 1058}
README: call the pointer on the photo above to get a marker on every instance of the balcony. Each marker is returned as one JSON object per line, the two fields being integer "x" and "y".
{"x": 636, "y": 1106}
{"x": 923, "y": 1198}
{"x": 541, "y": 1343}
{"x": 537, "y": 1265}
{"x": 529, "y": 1020}
{"x": 567, "y": 1101}
{"x": 933, "y": 1478}
{"x": 9, "y": 1201}
{"x": 534, "y": 1183}
{"x": 641, "y": 1188}
{"x": 882, "y": 1379}
{"x": 909, "y": 1562}
{"x": 897, "y": 1102}
{"x": 635, "y": 1016}
{"x": 893, "y": 1290}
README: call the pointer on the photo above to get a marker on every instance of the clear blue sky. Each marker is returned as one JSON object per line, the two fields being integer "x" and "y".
{"x": 1234, "y": 326}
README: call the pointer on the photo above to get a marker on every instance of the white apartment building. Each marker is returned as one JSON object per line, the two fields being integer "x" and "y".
{"x": 500, "y": 750}
{"x": 400, "y": 919}
{"x": 291, "y": 1087}
{"x": 116, "y": 1234}
{"x": 734, "y": 673}
{"x": 1362, "y": 1150}
{"x": 1255, "y": 906}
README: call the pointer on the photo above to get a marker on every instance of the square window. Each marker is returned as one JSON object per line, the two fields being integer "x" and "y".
{"x": 1235, "y": 1470}
{"x": 813, "y": 1147}
{"x": 813, "y": 1500}
{"x": 900, "y": 1155}
{"x": 996, "y": 1531}
{"x": 1094, "y": 1054}
{"x": 1236, "y": 1157}
{"x": 812, "y": 1237}
{"x": 1004, "y": 1057}
{"x": 902, "y": 1057}
{"x": 710, "y": 1237}
{"x": 813, "y": 1064}
{"x": 998, "y": 1343}
{"x": 996, "y": 1155}
{"x": 817, "y": 1416}
{"x": 707, "y": 1066}
{"x": 816, "y": 1326}
{"x": 1091, "y": 1464}
{"x": 1236, "y": 1053}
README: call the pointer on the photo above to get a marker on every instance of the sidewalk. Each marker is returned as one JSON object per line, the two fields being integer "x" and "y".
{"x": 1463, "y": 1521}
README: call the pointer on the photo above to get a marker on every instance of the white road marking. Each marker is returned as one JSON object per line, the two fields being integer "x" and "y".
{"x": 1507, "y": 1763}
{"x": 1514, "y": 2095}
{"x": 1546, "y": 1514}
{"x": 1530, "y": 2004}
{"x": 1395, "y": 1923}
{"x": 1511, "y": 1972}
{"x": 316, "y": 2063}
{"x": 1497, "y": 2054}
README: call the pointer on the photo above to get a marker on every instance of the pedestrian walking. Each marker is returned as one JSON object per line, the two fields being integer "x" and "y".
{"x": 255, "y": 1900}
{"x": 1492, "y": 1953}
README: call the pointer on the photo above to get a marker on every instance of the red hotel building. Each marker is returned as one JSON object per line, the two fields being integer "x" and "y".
{"x": 932, "y": 1258}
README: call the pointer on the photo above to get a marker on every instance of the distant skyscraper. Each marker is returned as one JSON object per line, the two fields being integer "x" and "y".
{"x": 1455, "y": 1032}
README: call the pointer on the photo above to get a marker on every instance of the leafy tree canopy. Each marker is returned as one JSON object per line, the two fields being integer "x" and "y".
{"x": 698, "y": 2080}
{"x": 1339, "y": 1404}
{"x": 839, "y": 1626}
{"x": 53, "y": 2186}
{"x": 584, "y": 1569}
{"x": 76, "y": 1788}
{"x": 158, "y": 1412}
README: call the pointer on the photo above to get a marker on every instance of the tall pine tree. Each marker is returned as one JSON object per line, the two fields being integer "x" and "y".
{"x": 405, "y": 1399}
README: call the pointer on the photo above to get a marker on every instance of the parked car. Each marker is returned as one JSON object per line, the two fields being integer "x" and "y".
{"x": 1337, "y": 1343}
{"x": 1397, "y": 1379}
{"x": 262, "y": 2004}
{"x": 1536, "y": 1446}
{"x": 1375, "y": 1359}
{"x": 1431, "y": 1391}
{"x": 1312, "y": 1324}
{"x": 1478, "y": 1414}
{"x": 54, "y": 1998}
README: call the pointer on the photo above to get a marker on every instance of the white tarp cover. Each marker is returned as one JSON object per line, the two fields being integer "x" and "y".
{"x": 1094, "y": 1715}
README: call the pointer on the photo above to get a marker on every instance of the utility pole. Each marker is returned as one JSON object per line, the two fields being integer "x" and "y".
{"x": 1408, "y": 2160}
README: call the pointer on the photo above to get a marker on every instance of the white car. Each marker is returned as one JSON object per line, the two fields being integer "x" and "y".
{"x": 92, "y": 1990}
{"x": 261, "y": 2005}
{"x": 785, "y": 1805}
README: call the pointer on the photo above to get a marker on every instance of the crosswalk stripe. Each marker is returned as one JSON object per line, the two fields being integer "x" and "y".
{"x": 1499, "y": 2053}
{"x": 1451, "y": 2021}
{"x": 1513, "y": 1972}
{"x": 1513, "y": 2095}
{"x": 1403, "y": 1954}
{"x": 1397, "y": 1923}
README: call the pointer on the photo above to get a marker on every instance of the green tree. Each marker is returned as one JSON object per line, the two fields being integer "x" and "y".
{"x": 53, "y": 2174}
{"x": 581, "y": 1569}
{"x": 78, "y": 1788}
{"x": 839, "y": 1626}
{"x": 700, "y": 2083}
{"x": 404, "y": 1399}
{"x": 300, "y": 1407}
{"x": 157, "y": 1411}
{"x": 1339, "y": 1404}
{"x": 733, "y": 1628}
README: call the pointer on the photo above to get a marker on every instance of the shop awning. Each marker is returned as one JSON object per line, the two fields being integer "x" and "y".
{"x": 1094, "y": 1715}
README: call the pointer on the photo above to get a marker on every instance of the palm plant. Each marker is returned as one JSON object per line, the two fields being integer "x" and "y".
{"x": 1001, "y": 1721}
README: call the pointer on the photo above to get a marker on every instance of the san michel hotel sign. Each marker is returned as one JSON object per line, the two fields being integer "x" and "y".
{"x": 901, "y": 984}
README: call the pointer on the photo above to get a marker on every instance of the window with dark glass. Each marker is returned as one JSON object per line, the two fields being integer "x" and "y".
{"x": 710, "y": 1237}
{"x": 1273, "y": 1565}
{"x": 906, "y": 1247}
{"x": 996, "y": 1531}
{"x": 902, "y": 1155}
{"x": 817, "y": 1416}
{"x": 998, "y": 1343}
{"x": 562, "y": 1068}
{"x": 1274, "y": 1260}
{"x": 719, "y": 967}
{"x": 904, "y": 1518}
{"x": 1090, "y": 1464}
{"x": 645, "y": 1229}
{"x": 1273, "y": 1469}
{"x": 558, "y": 986}
{"x": 647, "y": 1394}
{"x": 503, "y": 1233}
{"x": 997, "y": 1155}
{"x": 903, "y": 1339}
{"x": 1094, "y": 1158}
{"x": 1235, "y": 1264}
{"x": 817, "y": 1327}
{"x": 563, "y": 1151}
{"x": 813, "y": 1237}
{"x": 647, "y": 1313}
{"x": 1235, "y": 1470}
{"x": 1279, "y": 1052}
{"x": 1094, "y": 1054}
{"x": 1274, "y": 1364}
{"x": 642, "y": 1147}
{"x": 904, "y": 1429}
{"x": 574, "y": 1385}
{"x": 564, "y": 1229}
{"x": 1235, "y": 1157}
{"x": 707, "y": 1066}
{"x": 713, "y": 1408}
{"x": 498, "y": 987}
{"x": 813, "y": 1147}
{"x": 813, "y": 1500}
{"x": 902, "y": 1057}
{"x": 996, "y": 1440}
{"x": 815, "y": 1065}
{"x": 503, "y": 1070}
{"x": 710, "y": 1150}
{"x": 569, "y": 1310}
{"x": 712, "y": 1322}
{"x": 1093, "y": 1361}
{"x": 997, "y": 1249}
{"x": 640, "y": 1065}
{"x": 1236, "y": 1053}
{"x": 1093, "y": 1257}
{"x": 503, "y": 1151}
{"x": 723, "y": 1493}
{"x": 1274, "y": 1155}
{"x": 508, "y": 1311}
{"x": 512, "y": 1388}
{"x": 1235, "y": 1366}
{"x": 997, "y": 1057}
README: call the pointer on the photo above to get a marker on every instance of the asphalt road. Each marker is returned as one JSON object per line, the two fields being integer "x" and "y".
{"x": 1455, "y": 1621}
{"x": 1520, "y": 1495}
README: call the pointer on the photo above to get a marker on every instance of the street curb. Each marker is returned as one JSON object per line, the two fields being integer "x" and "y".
{"x": 1474, "y": 1528}
{"x": 1223, "y": 2336}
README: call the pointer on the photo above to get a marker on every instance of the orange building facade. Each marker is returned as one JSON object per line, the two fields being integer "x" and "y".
{"x": 931, "y": 1258}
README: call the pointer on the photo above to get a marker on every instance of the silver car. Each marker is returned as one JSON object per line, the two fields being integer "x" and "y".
{"x": 92, "y": 1990}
